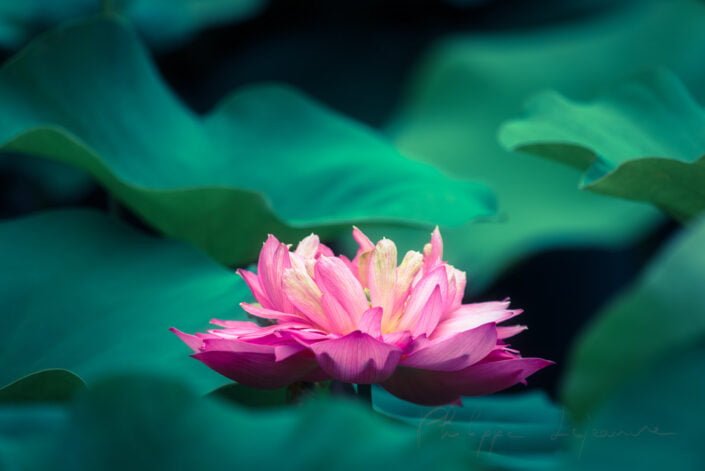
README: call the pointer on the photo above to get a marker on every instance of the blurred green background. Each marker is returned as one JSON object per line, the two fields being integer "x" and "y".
{"x": 149, "y": 146}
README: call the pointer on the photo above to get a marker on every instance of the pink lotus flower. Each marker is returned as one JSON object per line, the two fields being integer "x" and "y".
{"x": 366, "y": 321}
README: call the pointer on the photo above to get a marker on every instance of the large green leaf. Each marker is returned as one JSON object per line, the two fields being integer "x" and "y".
{"x": 508, "y": 432}
{"x": 653, "y": 423}
{"x": 643, "y": 141}
{"x": 53, "y": 385}
{"x": 24, "y": 432}
{"x": 663, "y": 313}
{"x": 162, "y": 22}
{"x": 468, "y": 85}
{"x": 266, "y": 160}
{"x": 83, "y": 292}
{"x": 51, "y": 181}
{"x": 145, "y": 423}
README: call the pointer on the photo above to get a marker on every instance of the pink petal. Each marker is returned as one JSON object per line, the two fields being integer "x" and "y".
{"x": 456, "y": 352}
{"x": 272, "y": 334}
{"x": 433, "y": 252}
{"x": 255, "y": 365}
{"x": 273, "y": 260}
{"x": 469, "y": 316}
{"x": 504, "y": 332}
{"x": 361, "y": 266}
{"x": 357, "y": 358}
{"x": 282, "y": 352}
{"x": 245, "y": 326}
{"x": 401, "y": 339}
{"x": 325, "y": 251}
{"x": 252, "y": 281}
{"x": 362, "y": 240}
{"x": 406, "y": 272}
{"x": 307, "y": 337}
{"x": 337, "y": 318}
{"x": 425, "y": 305}
{"x": 430, "y": 315}
{"x": 420, "y": 387}
{"x": 456, "y": 287}
{"x": 436, "y": 387}
{"x": 490, "y": 377}
{"x": 382, "y": 275}
{"x": 308, "y": 247}
{"x": 336, "y": 281}
{"x": 193, "y": 341}
{"x": 371, "y": 322}
{"x": 501, "y": 353}
{"x": 264, "y": 313}
{"x": 352, "y": 265}
{"x": 303, "y": 293}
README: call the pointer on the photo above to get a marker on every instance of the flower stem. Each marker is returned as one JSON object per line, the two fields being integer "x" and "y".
{"x": 297, "y": 392}
{"x": 338, "y": 388}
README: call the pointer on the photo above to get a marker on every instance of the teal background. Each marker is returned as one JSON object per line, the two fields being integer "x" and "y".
{"x": 148, "y": 147}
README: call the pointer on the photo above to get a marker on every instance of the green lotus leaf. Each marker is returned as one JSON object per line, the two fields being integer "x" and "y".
{"x": 252, "y": 397}
{"x": 147, "y": 423}
{"x": 507, "y": 432}
{"x": 164, "y": 23}
{"x": 644, "y": 141}
{"x": 266, "y": 160}
{"x": 86, "y": 293}
{"x": 652, "y": 423}
{"x": 25, "y": 432}
{"x": 53, "y": 385}
{"x": 469, "y": 84}
{"x": 662, "y": 314}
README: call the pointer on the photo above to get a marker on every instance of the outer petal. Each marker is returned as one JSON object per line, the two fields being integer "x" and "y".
{"x": 275, "y": 334}
{"x": 252, "y": 281}
{"x": 420, "y": 387}
{"x": 273, "y": 260}
{"x": 357, "y": 358}
{"x": 489, "y": 377}
{"x": 469, "y": 316}
{"x": 456, "y": 352}
{"x": 504, "y": 332}
{"x": 264, "y": 313}
{"x": 244, "y": 326}
{"x": 436, "y": 388}
{"x": 255, "y": 365}
{"x": 194, "y": 342}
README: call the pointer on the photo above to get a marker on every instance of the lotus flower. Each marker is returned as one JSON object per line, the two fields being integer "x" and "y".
{"x": 366, "y": 321}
